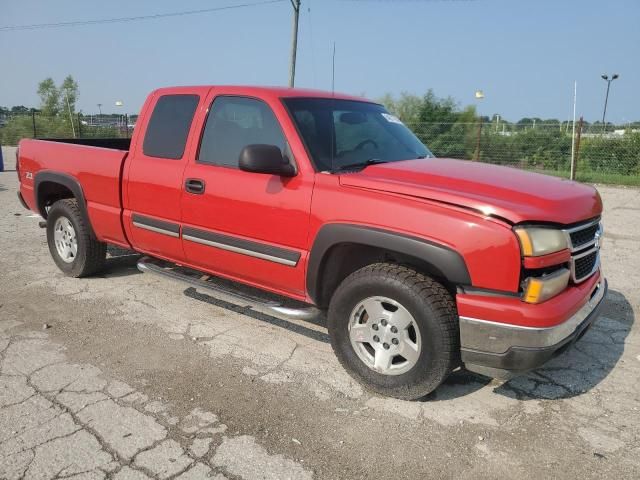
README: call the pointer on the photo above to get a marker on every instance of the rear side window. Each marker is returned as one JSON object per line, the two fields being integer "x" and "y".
{"x": 168, "y": 128}
{"x": 232, "y": 124}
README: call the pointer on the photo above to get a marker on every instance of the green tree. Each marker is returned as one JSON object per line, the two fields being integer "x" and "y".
{"x": 19, "y": 110}
{"x": 49, "y": 97}
{"x": 406, "y": 108}
{"x": 68, "y": 94}
{"x": 437, "y": 110}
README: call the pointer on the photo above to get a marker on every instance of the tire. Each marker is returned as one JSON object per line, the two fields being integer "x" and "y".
{"x": 89, "y": 256}
{"x": 432, "y": 338}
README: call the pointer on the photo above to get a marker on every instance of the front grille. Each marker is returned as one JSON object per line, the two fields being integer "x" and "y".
{"x": 584, "y": 236}
{"x": 584, "y": 265}
{"x": 585, "y": 248}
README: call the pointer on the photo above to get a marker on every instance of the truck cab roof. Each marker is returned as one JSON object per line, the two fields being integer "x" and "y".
{"x": 260, "y": 91}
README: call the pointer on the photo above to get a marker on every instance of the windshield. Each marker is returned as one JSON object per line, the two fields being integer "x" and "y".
{"x": 344, "y": 134}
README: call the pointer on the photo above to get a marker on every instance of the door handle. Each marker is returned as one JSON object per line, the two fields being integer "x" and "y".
{"x": 194, "y": 185}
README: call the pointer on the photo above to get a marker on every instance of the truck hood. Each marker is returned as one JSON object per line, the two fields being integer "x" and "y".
{"x": 509, "y": 193}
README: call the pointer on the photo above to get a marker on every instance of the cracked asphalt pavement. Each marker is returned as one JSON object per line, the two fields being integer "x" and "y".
{"x": 129, "y": 376}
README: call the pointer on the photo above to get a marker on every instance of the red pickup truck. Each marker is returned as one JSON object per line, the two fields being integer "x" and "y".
{"x": 422, "y": 264}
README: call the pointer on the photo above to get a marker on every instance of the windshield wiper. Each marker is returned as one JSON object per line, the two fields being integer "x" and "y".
{"x": 366, "y": 163}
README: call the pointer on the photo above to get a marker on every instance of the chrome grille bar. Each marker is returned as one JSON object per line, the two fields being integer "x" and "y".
{"x": 585, "y": 249}
{"x": 584, "y": 226}
{"x": 596, "y": 264}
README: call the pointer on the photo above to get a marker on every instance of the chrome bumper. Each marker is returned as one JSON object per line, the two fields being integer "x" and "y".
{"x": 494, "y": 337}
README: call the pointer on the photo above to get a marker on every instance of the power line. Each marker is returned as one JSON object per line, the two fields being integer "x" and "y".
{"x": 78, "y": 23}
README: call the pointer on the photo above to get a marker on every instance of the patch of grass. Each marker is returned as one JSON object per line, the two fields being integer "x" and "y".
{"x": 609, "y": 178}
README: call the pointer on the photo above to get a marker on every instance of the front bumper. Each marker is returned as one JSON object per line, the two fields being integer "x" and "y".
{"x": 503, "y": 350}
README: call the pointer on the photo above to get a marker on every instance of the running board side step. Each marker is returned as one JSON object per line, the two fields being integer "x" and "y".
{"x": 298, "y": 310}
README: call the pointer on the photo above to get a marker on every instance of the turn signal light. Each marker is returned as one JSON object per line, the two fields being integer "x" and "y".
{"x": 540, "y": 289}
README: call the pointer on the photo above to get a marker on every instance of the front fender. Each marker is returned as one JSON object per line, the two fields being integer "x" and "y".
{"x": 448, "y": 263}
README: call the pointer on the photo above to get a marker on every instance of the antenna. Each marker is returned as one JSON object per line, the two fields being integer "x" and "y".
{"x": 333, "y": 125}
{"x": 333, "y": 69}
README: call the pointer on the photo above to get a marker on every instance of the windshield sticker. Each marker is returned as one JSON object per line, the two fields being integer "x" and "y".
{"x": 391, "y": 118}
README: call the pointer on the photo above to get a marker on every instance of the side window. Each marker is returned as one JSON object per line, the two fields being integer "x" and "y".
{"x": 169, "y": 125}
{"x": 232, "y": 124}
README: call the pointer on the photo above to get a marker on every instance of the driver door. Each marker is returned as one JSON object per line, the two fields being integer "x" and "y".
{"x": 250, "y": 227}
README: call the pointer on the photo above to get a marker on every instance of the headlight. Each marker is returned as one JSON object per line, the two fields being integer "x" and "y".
{"x": 539, "y": 289}
{"x": 536, "y": 241}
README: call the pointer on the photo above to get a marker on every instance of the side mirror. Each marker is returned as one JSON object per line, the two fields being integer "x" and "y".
{"x": 259, "y": 158}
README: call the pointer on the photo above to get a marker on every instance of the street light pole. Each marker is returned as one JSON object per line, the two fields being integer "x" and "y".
{"x": 294, "y": 42}
{"x": 479, "y": 96}
{"x": 119, "y": 104}
{"x": 606, "y": 98}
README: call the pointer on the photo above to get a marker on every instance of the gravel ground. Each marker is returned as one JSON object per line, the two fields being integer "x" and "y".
{"x": 128, "y": 376}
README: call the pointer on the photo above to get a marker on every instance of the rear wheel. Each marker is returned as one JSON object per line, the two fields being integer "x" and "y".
{"x": 74, "y": 248}
{"x": 394, "y": 330}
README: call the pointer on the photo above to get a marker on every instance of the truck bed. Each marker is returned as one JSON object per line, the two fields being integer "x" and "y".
{"x": 94, "y": 164}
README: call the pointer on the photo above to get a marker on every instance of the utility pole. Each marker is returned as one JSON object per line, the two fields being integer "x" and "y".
{"x": 479, "y": 96}
{"x": 33, "y": 121}
{"x": 606, "y": 99}
{"x": 119, "y": 104}
{"x": 294, "y": 42}
{"x": 477, "y": 155}
{"x": 572, "y": 173}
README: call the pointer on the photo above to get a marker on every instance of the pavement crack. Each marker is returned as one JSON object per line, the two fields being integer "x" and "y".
{"x": 33, "y": 447}
{"x": 177, "y": 474}
{"x": 84, "y": 289}
{"x": 93, "y": 403}
{"x": 101, "y": 441}
{"x": 281, "y": 363}
{"x": 9, "y": 405}
{"x": 33, "y": 427}
{"x": 150, "y": 447}
{"x": 553, "y": 382}
{"x": 520, "y": 393}
{"x": 4, "y": 351}
{"x": 26, "y": 469}
{"x": 134, "y": 297}
{"x": 39, "y": 369}
{"x": 57, "y": 475}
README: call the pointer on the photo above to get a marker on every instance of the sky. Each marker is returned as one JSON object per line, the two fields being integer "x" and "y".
{"x": 524, "y": 54}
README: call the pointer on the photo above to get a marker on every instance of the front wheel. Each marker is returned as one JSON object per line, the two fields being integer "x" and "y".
{"x": 72, "y": 244}
{"x": 394, "y": 330}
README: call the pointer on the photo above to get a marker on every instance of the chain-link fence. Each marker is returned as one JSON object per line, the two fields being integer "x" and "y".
{"x": 601, "y": 156}
{"x": 610, "y": 155}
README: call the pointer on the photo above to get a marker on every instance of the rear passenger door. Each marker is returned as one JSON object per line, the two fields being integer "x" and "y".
{"x": 248, "y": 226}
{"x": 154, "y": 174}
